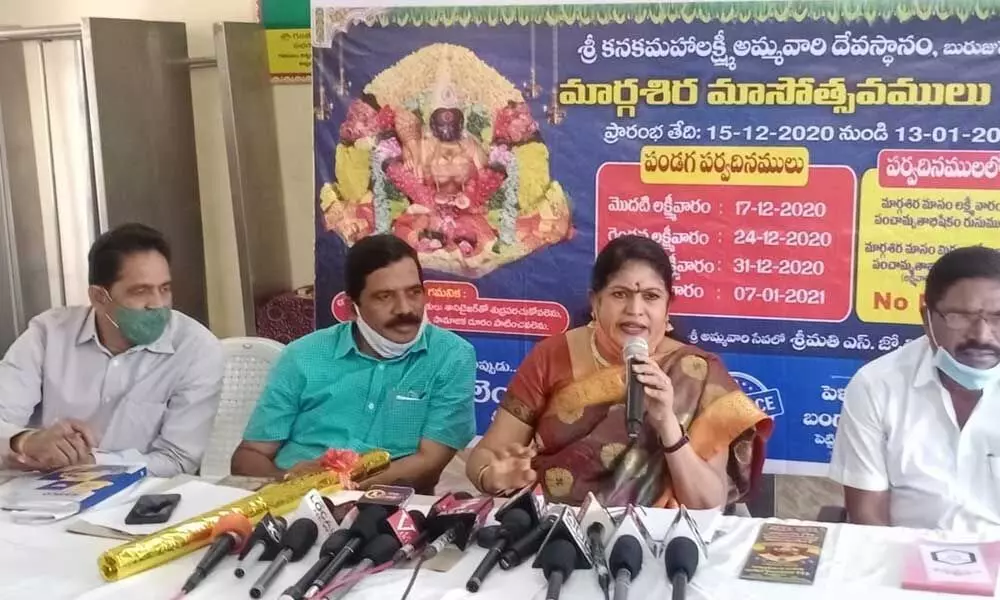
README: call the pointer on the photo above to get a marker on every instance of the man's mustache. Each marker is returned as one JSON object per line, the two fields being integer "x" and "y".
{"x": 407, "y": 319}
{"x": 977, "y": 348}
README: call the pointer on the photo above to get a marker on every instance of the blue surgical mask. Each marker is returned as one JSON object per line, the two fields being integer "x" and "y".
{"x": 968, "y": 377}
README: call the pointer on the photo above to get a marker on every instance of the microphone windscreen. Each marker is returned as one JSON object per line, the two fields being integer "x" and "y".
{"x": 634, "y": 348}
{"x": 487, "y": 536}
{"x": 462, "y": 496}
{"x": 596, "y": 529}
{"x": 558, "y": 556}
{"x": 626, "y": 554}
{"x": 341, "y": 511}
{"x": 366, "y": 526}
{"x": 516, "y": 522}
{"x": 336, "y": 542}
{"x": 233, "y": 523}
{"x": 381, "y": 548}
{"x": 300, "y": 537}
{"x": 418, "y": 519}
{"x": 681, "y": 556}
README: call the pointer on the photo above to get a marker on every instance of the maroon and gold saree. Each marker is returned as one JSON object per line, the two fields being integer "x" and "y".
{"x": 574, "y": 401}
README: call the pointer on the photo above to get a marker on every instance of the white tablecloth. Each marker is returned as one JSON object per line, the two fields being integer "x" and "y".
{"x": 46, "y": 562}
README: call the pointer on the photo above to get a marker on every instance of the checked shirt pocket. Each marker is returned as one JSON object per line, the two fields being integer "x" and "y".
{"x": 405, "y": 421}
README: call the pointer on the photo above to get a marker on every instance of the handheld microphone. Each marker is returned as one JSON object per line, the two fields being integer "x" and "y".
{"x": 408, "y": 551}
{"x": 229, "y": 534}
{"x": 333, "y": 544}
{"x": 438, "y": 544}
{"x": 625, "y": 563}
{"x": 516, "y": 522}
{"x": 365, "y": 527}
{"x": 298, "y": 539}
{"x": 681, "y": 559}
{"x": 528, "y": 544}
{"x": 265, "y": 537}
{"x": 456, "y": 523}
{"x": 595, "y": 542}
{"x": 558, "y": 562}
{"x": 376, "y": 552}
{"x": 635, "y": 404}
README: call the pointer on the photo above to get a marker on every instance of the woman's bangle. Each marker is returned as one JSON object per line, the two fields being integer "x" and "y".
{"x": 479, "y": 478}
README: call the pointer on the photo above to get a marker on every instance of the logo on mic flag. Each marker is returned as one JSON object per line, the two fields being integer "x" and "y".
{"x": 313, "y": 507}
{"x": 387, "y": 495}
{"x": 403, "y": 527}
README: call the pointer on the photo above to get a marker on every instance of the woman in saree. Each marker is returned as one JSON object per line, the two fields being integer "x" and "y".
{"x": 562, "y": 421}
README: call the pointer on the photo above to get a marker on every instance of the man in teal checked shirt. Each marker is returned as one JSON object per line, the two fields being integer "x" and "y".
{"x": 388, "y": 380}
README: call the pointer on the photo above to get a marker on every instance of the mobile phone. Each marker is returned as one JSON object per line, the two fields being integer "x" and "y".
{"x": 152, "y": 508}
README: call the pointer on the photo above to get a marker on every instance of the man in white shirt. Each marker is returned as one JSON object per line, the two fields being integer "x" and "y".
{"x": 125, "y": 380}
{"x": 919, "y": 443}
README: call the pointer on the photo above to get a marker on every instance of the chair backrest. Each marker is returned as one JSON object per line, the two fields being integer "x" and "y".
{"x": 248, "y": 361}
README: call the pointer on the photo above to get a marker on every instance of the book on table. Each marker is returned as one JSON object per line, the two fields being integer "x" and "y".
{"x": 65, "y": 492}
{"x": 785, "y": 554}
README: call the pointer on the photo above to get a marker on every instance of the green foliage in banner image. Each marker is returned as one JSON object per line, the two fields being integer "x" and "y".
{"x": 794, "y": 10}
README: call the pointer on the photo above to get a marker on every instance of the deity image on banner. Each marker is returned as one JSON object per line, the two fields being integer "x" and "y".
{"x": 443, "y": 151}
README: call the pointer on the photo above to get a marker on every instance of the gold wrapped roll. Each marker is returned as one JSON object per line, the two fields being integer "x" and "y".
{"x": 276, "y": 498}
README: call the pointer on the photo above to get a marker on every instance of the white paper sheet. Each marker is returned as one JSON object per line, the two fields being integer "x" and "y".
{"x": 196, "y": 497}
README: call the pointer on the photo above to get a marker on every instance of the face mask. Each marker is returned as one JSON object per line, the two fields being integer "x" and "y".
{"x": 140, "y": 326}
{"x": 968, "y": 377}
{"x": 383, "y": 346}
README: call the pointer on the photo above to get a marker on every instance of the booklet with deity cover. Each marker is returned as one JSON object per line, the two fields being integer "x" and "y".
{"x": 785, "y": 554}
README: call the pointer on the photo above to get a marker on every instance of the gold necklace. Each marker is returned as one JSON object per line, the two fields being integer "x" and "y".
{"x": 601, "y": 361}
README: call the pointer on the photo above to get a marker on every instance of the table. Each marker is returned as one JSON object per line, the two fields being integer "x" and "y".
{"x": 858, "y": 562}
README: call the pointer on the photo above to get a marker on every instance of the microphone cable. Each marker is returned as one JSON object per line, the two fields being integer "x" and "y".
{"x": 352, "y": 578}
{"x": 413, "y": 578}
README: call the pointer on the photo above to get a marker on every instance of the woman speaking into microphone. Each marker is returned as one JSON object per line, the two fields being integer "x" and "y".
{"x": 563, "y": 419}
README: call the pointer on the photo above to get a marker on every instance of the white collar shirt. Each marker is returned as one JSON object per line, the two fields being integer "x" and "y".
{"x": 898, "y": 432}
{"x": 152, "y": 405}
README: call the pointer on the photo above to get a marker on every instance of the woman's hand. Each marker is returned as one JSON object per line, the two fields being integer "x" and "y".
{"x": 509, "y": 469}
{"x": 659, "y": 399}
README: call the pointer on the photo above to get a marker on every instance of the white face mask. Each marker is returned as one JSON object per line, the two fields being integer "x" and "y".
{"x": 383, "y": 346}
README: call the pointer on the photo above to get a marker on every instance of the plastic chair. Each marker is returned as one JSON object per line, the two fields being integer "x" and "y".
{"x": 248, "y": 362}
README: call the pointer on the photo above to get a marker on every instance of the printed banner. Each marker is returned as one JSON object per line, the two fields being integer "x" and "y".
{"x": 289, "y": 52}
{"x": 803, "y": 164}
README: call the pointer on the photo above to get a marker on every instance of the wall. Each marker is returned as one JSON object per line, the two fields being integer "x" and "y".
{"x": 293, "y": 107}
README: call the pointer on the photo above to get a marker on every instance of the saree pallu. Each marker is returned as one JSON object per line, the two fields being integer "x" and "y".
{"x": 576, "y": 407}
